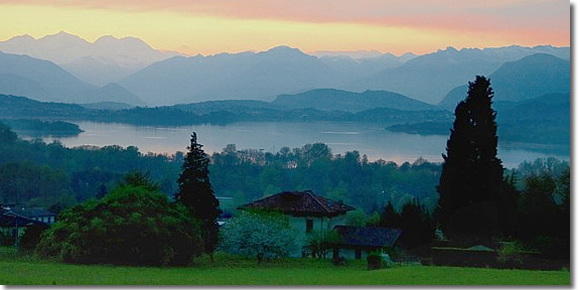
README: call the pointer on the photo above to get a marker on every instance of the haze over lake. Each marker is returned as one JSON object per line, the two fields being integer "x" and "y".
{"x": 371, "y": 140}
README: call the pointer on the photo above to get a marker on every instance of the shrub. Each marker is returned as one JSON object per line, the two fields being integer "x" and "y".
{"x": 261, "y": 234}
{"x": 31, "y": 237}
{"x": 133, "y": 225}
{"x": 321, "y": 243}
{"x": 374, "y": 260}
{"x": 510, "y": 252}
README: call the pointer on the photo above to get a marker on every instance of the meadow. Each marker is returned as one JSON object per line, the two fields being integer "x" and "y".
{"x": 227, "y": 270}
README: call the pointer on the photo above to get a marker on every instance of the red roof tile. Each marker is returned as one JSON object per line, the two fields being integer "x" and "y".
{"x": 300, "y": 203}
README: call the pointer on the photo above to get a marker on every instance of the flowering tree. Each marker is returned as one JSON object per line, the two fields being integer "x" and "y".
{"x": 264, "y": 235}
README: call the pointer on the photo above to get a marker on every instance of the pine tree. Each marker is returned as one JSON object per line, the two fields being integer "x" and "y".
{"x": 390, "y": 218}
{"x": 196, "y": 193}
{"x": 472, "y": 175}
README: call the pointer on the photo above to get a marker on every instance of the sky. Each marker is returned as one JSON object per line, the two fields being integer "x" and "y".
{"x": 215, "y": 26}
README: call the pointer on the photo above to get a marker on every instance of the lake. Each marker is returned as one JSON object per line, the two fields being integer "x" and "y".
{"x": 369, "y": 139}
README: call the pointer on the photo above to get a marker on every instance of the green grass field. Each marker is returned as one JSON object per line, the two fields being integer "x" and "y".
{"x": 236, "y": 271}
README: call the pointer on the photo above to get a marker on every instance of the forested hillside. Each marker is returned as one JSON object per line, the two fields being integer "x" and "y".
{"x": 39, "y": 174}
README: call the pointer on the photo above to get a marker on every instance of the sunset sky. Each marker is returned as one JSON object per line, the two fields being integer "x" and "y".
{"x": 214, "y": 26}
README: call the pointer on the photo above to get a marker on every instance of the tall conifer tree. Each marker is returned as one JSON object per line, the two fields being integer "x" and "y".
{"x": 472, "y": 175}
{"x": 196, "y": 193}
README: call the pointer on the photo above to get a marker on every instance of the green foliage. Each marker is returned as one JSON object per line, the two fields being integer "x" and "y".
{"x": 6, "y": 239}
{"x": 543, "y": 215}
{"x": 23, "y": 181}
{"x": 321, "y": 243}
{"x": 472, "y": 174}
{"x": 390, "y": 218}
{"x": 132, "y": 225}
{"x": 417, "y": 224}
{"x": 349, "y": 177}
{"x": 374, "y": 260}
{"x": 31, "y": 237}
{"x": 6, "y": 134}
{"x": 264, "y": 235}
{"x": 356, "y": 218}
{"x": 196, "y": 193}
{"x": 33, "y": 172}
{"x": 136, "y": 178}
{"x": 44, "y": 128}
{"x": 511, "y": 252}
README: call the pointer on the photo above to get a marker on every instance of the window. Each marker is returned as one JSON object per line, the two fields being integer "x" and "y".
{"x": 358, "y": 254}
{"x": 309, "y": 225}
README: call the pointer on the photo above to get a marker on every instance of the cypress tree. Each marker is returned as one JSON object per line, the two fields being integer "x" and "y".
{"x": 196, "y": 193}
{"x": 472, "y": 175}
{"x": 390, "y": 217}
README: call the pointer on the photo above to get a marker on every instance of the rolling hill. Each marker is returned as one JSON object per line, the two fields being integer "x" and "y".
{"x": 428, "y": 78}
{"x": 527, "y": 78}
{"x": 338, "y": 100}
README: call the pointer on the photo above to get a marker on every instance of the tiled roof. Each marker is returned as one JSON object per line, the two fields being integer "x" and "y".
{"x": 368, "y": 236}
{"x": 10, "y": 220}
{"x": 300, "y": 203}
{"x": 34, "y": 212}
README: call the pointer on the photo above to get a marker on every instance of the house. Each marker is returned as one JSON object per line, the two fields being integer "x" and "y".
{"x": 12, "y": 226}
{"x": 358, "y": 242}
{"x": 307, "y": 211}
{"x": 39, "y": 214}
{"x": 34, "y": 213}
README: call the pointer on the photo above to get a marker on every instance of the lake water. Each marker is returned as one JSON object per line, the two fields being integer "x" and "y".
{"x": 374, "y": 141}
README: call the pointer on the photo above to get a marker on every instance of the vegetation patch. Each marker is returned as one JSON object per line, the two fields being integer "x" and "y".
{"x": 228, "y": 270}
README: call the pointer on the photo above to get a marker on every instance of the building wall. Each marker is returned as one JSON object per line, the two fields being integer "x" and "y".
{"x": 45, "y": 219}
{"x": 318, "y": 224}
{"x": 10, "y": 231}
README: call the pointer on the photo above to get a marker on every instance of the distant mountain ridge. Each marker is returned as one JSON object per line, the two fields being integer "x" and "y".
{"x": 331, "y": 100}
{"x": 108, "y": 59}
{"x": 247, "y": 75}
{"x": 45, "y": 81}
{"x": 526, "y": 78}
{"x": 430, "y": 77}
{"x": 541, "y": 120}
{"x": 284, "y": 70}
{"x": 143, "y": 75}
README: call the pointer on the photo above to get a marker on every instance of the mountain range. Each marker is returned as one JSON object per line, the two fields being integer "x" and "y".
{"x": 530, "y": 77}
{"x": 430, "y": 77}
{"x": 107, "y": 59}
{"x": 67, "y": 68}
{"x": 45, "y": 81}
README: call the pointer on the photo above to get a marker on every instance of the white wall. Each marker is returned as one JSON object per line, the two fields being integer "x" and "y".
{"x": 319, "y": 224}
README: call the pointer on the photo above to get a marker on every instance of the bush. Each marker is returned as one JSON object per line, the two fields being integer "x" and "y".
{"x": 6, "y": 239}
{"x": 31, "y": 237}
{"x": 133, "y": 225}
{"x": 374, "y": 261}
{"x": 511, "y": 253}
{"x": 321, "y": 243}
{"x": 261, "y": 234}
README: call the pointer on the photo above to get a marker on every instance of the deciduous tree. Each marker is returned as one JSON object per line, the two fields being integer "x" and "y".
{"x": 132, "y": 225}
{"x": 259, "y": 234}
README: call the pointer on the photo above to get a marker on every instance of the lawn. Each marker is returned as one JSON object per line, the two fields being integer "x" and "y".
{"x": 236, "y": 271}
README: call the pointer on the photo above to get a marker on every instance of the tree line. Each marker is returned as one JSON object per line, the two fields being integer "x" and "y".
{"x": 38, "y": 174}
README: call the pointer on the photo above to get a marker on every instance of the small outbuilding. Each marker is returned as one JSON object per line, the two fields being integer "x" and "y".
{"x": 12, "y": 226}
{"x": 358, "y": 242}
